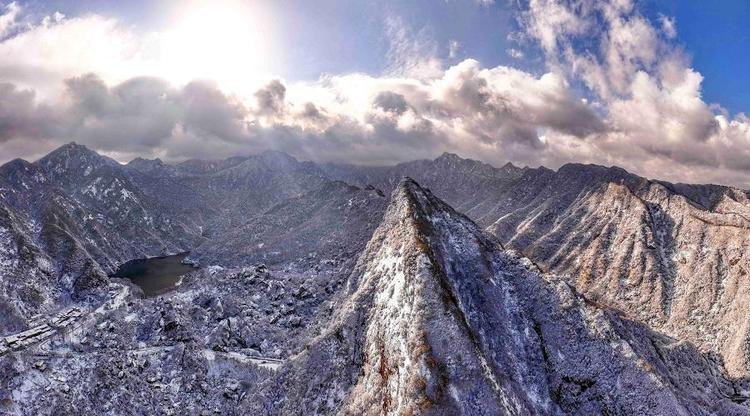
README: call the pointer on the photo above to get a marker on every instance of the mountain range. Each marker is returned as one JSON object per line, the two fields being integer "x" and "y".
{"x": 466, "y": 289}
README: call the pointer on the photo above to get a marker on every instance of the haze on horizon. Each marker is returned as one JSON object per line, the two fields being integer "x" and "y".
{"x": 539, "y": 82}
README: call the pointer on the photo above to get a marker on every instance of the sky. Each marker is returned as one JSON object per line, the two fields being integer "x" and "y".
{"x": 656, "y": 87}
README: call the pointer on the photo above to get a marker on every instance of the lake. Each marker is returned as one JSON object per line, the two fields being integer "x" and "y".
{"x": 156, "y": 275}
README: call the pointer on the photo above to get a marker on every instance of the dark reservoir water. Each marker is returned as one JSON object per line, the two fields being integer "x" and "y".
{"x": 156, "y": 275}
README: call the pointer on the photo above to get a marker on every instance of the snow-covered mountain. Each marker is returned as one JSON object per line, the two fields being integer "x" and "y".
{"x": 586, "y": 290}
{"x": 671, "y": 255}
{"x": 328, "y": 225}
{"x": 436, "y": 318}
{"x": 440, "y": 319}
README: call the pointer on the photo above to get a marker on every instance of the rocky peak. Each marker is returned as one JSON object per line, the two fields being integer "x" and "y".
{"x": 15, "y": 166}
{"x": 510, "y": 167}
{"x": 448, "y": 156}
{"x": 439, "y": 319}
{"x": 146, "y": 162}
{"x": 262, "y": 163}
{"x": 21, "y": 175}
{"x": 73, "y": 160}
{"x": 150, "y": 165}
{"x": 450, "y": 161}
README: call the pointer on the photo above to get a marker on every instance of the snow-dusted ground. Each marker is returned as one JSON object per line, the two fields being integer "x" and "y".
{"x": 207, "y": 343}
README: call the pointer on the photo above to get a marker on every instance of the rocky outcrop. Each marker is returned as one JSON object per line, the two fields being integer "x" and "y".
{"x": 672, "y": 256}
{"x": 644, "y": 247}
{"x": 440, "y": 319}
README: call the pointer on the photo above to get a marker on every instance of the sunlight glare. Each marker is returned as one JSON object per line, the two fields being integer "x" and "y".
{"x": 219, "y": 40}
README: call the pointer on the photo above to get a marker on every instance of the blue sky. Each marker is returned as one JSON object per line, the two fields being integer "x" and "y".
{"x": 657, "y": 87}
{"x": 717, "y": 36}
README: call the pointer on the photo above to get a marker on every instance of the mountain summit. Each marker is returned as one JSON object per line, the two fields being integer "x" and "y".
{"x": 440, "y": 319}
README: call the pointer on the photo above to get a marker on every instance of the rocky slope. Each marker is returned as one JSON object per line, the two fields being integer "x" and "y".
{"x": 204, "y": 349}
{"x": 326, "y": 226}
{"x": 43, "y": 259}
{"x": 440, "y": 319}
{"x": 669, "y": 255}
{"x": 72, "y": 217}
{"x": 673, "y": 257}
{"x": 436, "y": 318}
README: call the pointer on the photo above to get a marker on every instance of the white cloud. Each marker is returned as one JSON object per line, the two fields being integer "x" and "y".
{"x": 219, "y": 45}
{"x": 659, "y": 124}
{"x": 668, "y": 26}
{"x": 515, "y": 53}
{"x": 8, "y": 18}
{"x": 489, "y": 113}
{"x": 411, "y": 54}
{"x": 453, "y": 47}
{"x": 42, "y": 56}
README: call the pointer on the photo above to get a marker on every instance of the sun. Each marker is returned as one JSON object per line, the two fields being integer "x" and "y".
{"x": 227, "y": 41}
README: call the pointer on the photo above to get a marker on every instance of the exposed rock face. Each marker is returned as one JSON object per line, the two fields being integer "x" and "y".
{"x": 440, "y": 319}
{"x": 669, "y": 256}
{"x": 673, "y": 256}
{"x": 330, "y": 224}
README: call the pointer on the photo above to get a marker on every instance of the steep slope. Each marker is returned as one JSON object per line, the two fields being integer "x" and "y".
{"x": 128, "y": 214}
{"x": 330, "y": 225}
{"x": 672, "y": 256}
{"x": 439, "y": 319}
{"x": 43, "y": 257}
{"x": 669, "y": 255}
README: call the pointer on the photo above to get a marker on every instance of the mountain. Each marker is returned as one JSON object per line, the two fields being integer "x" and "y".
{"x": 256, "y": 184}
{"x": 124, "y": 215}
{"x": 74, "y": 216}
{"x": 669, "y": 255}
{"x": 464, "y": 183}
{"x": 44, "y": 260}
{"x": 436, "y": 318}
{"x": 440, "y": 319}
{"x": 624, "y": 240}
{"x": 240, "y": 187}
{"x": 73, "y": 161}
{"x": 329, "y": 225}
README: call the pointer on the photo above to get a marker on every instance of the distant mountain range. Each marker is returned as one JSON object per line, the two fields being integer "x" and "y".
{"x": 586, "y": 290}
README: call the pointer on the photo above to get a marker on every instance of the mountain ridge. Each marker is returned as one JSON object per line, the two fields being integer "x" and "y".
{"x": 431, "y": 290}
{"x": 432, "y": 301}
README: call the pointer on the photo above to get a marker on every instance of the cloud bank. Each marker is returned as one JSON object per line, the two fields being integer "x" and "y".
{"x": 614, "y": 90}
